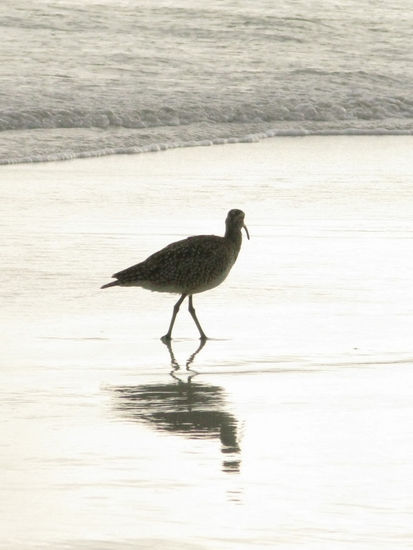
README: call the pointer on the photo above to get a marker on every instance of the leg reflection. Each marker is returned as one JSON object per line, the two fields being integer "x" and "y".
{"x": 174, "y": 363}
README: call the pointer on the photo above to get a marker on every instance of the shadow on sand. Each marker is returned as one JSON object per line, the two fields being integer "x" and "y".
{"x": 184, "y": 407}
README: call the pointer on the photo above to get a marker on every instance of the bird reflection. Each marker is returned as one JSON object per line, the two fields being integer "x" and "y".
{"x": 185, "y": 407}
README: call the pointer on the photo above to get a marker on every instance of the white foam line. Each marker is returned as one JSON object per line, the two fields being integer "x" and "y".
{"x": 248, "y": 138}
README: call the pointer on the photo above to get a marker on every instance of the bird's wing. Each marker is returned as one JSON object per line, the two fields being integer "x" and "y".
{"x": 201, "y": 256}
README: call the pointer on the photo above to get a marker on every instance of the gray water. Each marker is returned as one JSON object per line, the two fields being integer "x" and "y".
{"x": 85, "y": 78}
{"x": 293, "y": 426}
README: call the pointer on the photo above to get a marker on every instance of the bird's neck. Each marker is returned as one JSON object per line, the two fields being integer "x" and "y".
{"x": 233, "y": 235}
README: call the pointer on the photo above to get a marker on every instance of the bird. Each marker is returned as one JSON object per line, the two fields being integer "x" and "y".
{"x": 188, "y": 267}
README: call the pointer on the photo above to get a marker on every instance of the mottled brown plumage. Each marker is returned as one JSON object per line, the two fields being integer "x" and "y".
{"x": 188, "y": 267}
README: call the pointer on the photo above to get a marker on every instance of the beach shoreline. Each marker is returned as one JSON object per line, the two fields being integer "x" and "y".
{"x": 299, "y": 406}
{"x": 123, "y": 199}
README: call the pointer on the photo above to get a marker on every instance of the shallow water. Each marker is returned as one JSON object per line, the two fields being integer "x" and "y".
{"x": 292, "y": 427}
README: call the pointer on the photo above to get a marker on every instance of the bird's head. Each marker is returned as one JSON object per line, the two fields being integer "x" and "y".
{"x": 235, "y": 220}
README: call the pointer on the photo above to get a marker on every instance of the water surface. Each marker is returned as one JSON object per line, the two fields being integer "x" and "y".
{"x": 290, "y": 428}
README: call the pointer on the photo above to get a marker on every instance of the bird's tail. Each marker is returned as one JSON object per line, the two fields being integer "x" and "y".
{"x": 113, "y": 283}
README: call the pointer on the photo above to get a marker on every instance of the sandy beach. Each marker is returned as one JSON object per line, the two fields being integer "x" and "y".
{"x": 295, "y": 430}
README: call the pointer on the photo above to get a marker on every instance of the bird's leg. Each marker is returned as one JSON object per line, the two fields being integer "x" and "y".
{"x": 191, "y": 310}
{"x": 174, "y": 314}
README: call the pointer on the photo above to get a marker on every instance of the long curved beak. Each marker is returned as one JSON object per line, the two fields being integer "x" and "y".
{"x": 246, "y": 231}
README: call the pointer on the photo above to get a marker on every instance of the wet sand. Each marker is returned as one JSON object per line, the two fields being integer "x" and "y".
{"x": 294, "y": 430}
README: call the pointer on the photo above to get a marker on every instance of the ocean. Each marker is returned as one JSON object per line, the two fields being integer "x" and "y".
{"x": 84, "y": 78}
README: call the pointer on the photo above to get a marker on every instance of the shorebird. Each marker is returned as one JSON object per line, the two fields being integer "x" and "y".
{"x": 188, "y": 267}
